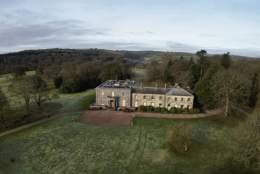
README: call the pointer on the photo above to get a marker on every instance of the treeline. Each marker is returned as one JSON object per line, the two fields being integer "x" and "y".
{"x": 70, "y": 77}
{"x": 70, "y": 70}
{"x": 31, "y": 90}
{"x": 216, "y": 81}
{"x": 33, "y": 59}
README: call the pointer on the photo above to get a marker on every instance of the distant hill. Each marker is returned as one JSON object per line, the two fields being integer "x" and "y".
{"x": 31, "y": 59}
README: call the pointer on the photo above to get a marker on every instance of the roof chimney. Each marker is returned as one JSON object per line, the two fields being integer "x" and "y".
{"x": 176, "y": 85}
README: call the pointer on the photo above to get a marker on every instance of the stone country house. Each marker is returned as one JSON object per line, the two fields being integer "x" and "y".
{"x": 124, "y": 93}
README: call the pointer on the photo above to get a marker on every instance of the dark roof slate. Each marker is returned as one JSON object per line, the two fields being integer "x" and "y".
{"x": 150, "y": 90}
{"x": 168, "y": 91}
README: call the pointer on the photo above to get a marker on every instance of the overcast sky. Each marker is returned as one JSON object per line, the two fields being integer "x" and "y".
{"x": 168, "y": 25}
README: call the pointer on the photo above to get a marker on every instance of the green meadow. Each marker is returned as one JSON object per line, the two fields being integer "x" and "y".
{"x": 66, "y": 146}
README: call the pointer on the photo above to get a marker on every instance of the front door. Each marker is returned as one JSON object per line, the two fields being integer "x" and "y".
{"x": 111, "y": 103}
{"x": 124, "y": 103}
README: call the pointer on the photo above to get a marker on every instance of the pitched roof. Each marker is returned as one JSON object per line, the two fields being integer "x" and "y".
{"x": 144, "y": 90}
{"x": 168, "y": 91}
{"x": 150, "y": 90}
{"x": 178, "y": 92}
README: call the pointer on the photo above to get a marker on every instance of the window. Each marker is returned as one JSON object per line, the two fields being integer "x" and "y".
{"x": 188, "y": 99}
{"x": 123, "y": 93}
{"x": 176, "y": 99}
{"x": 153, "y": 97}
{"x": 124, "y": 103}
{"x": 160, "y": 104}
{"x": 182, "y": 106}
{"x": 136, "y": 104}
{"x": 169, "y": 105}
{"x": 188, "y": 107}
{"x": 181, "y": 99}
{"x": 160, "y": 98}
{"x": 144, "y": 103}
{"x": 144, "y": 97}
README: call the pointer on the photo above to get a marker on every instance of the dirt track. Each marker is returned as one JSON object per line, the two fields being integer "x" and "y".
{"x": 107, "y": 118}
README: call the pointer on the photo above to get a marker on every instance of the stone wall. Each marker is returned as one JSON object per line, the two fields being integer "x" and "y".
{"x": 179, "y": 101}
{"x": 104, "y": 95}
{"x": 155, "y": 100}
{"x": 160, "y": 100}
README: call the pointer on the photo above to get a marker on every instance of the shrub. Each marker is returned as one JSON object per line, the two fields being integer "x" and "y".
{"x": 167, "y": 111}
{"x": 157, "y": 109}
{"x": 142, "y": 108}
{"x": 164, "y": 110}
{"x": 194, "y": 111}
{"x": 69, "y": 86}
{"x": 57, "y": 82}
{"x": 177, "y": 110}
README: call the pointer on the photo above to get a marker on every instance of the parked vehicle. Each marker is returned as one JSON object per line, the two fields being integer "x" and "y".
{"x": 96, "y": 107}
{"x": 127, "y": 109}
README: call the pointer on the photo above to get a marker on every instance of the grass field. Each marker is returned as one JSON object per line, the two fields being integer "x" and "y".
{"x": 65, "y": 146}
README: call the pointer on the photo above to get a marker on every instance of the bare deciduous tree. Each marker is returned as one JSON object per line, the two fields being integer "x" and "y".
{"x": 3, "y": 107}
{"x": 231, "y": 88}
{"x": 23, "y": 87}
{"x": 40, "y": 91}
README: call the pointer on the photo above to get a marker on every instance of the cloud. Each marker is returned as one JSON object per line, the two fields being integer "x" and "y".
{"x": 53, "y": 33}
{"x": 172, "y": 25}
{"x": 181, "y": 47}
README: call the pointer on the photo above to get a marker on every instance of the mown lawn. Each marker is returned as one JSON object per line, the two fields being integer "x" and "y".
{"x": 65, "y": 146}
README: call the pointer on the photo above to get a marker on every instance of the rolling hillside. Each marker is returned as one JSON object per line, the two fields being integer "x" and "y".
{"x": 32, "y": 59}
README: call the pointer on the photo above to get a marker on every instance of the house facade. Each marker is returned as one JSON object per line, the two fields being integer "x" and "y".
{"x": 114, "y": 93}
{"x": 124, "y": 93}
{"x": 162, "y": 97}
